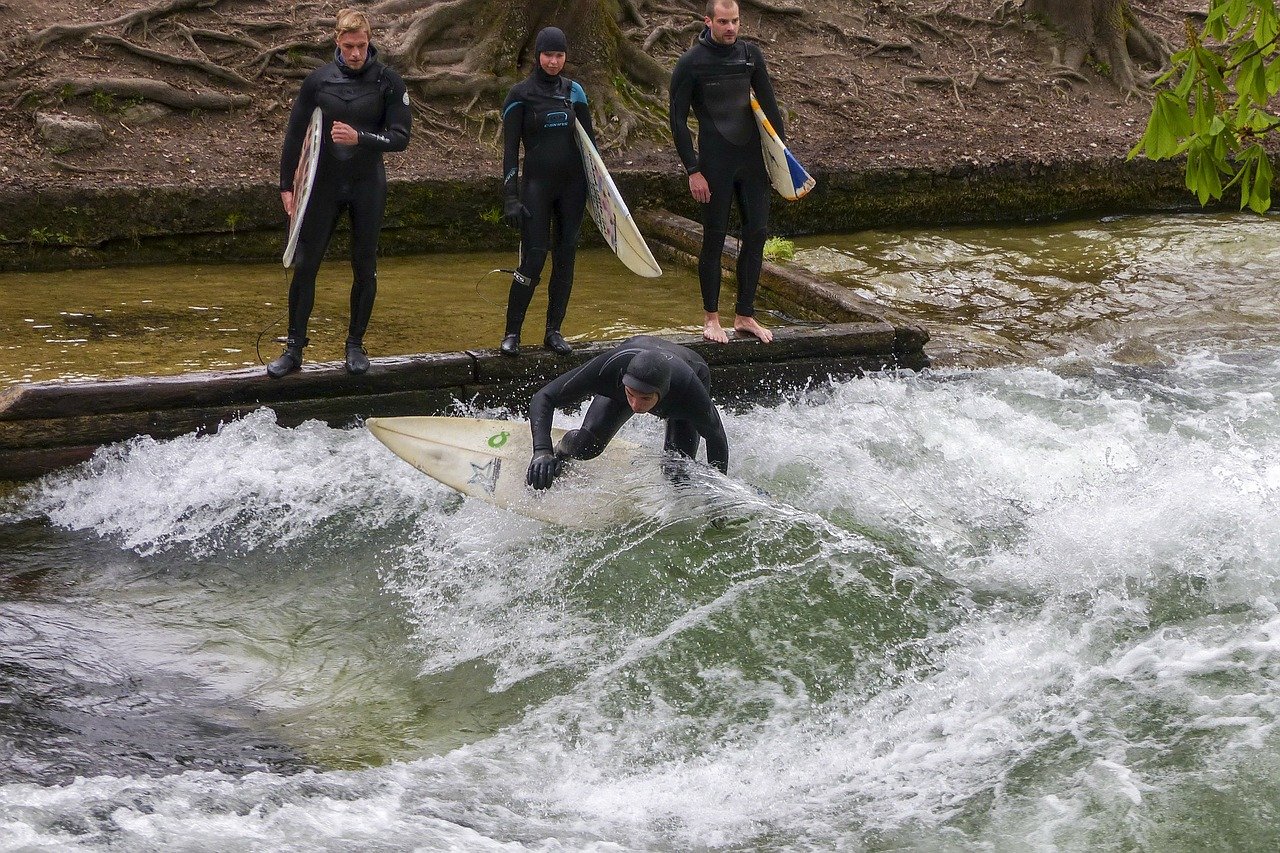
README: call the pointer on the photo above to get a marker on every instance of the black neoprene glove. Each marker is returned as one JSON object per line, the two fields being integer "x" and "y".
{"x": 513, "y": 211}
{"x": 543, "y": 470}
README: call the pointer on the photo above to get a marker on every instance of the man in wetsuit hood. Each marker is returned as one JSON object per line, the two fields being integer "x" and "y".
{"x": 642, "y": 375}
{"x": 716, "y": 78}
{"x": 366, "y": 112}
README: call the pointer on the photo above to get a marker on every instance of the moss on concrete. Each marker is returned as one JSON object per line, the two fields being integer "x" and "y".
{"x": 63, "y": 229}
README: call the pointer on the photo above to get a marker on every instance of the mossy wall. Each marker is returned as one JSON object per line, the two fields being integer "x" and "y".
{"x": 60, "y": 229}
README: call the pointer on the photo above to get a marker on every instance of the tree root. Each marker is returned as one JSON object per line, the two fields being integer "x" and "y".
{"x": 395, "y": 7}
{"x": 427, "y": 24}
{"x": 210, "y": 68}
{"x": 642, "y": 67}
{"x": 878, "y": 46}
{"x": 72, "y": 167}
{"x": 455, "y": 52}
{"x": 924, "y": 23}
{"x": 949, "y": 80}
{"x": 631, "y": 13}
{"x": 56, "y": 32}
{"x": 148, "y": 89}
{"x": 453, "y": 83}
{"x": 1107, "y": 30}
{"x": 775, "y": 8}
{"x": 672, "y": 30}
{"x": 263, "y": 59}
{"x": 218, "y": 35}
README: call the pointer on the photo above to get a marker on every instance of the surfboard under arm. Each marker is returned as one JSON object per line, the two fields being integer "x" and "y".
{"x": 304, "y": 177}
{"x": 786, "y": 174}
{"x": 610, "y": 212}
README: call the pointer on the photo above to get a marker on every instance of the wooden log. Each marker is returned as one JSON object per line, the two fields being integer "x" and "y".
{"x": 742, "y": 370}
{"x": 48, "y": 425}
{"x": 30, "y": 463}
{"x": 245, "y": 386}
{"x": 93, "y": 429}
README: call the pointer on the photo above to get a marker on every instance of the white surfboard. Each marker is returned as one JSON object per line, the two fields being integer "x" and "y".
{"x": 304, "y": 176}
{"x": 611, "y": 214}
{"x": 785, "y": 172}
{"x": 488, "y": 459}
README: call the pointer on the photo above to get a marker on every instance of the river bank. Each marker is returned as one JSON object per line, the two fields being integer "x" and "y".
{"x": 63, "y": 227}
{"x": 914, "y": 113}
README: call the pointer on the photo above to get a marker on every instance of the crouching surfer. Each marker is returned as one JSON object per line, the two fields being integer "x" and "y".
{"x": 642, "y": 375}
{"x": 366, "y": 112}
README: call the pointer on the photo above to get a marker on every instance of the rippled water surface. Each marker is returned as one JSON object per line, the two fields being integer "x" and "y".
{"x": 140, "y": 321}
{"x": 1025, "y": 600}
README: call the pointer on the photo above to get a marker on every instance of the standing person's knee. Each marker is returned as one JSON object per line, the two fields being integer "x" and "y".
{"x": 531, "y": 264}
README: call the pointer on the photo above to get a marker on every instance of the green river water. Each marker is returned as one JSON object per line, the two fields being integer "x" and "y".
{"x": 1025, "y": 600}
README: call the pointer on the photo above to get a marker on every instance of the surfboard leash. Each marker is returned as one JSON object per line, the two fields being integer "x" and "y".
{"x": 257, "y": 344}
{"x": 520, "y": 277}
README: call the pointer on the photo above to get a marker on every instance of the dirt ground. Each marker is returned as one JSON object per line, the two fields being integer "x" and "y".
{"x": 865, "y": 84}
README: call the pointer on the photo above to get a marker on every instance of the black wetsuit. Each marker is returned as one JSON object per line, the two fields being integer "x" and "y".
{"x": 539, "y": 112}
{"x": 716, "y": 81}
{"x": 686, "y": 407}
{"x": 375, "y": 102}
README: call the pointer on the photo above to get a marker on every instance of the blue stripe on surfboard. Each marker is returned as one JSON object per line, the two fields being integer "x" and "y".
{"x": 799, "y": 177}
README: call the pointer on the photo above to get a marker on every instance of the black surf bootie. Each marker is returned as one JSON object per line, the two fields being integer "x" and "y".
{"x": 555, "y": 342}
{"x": 510, "y": 345}
{"x": 357, "y": 359}
{"x": 289, "y": 360}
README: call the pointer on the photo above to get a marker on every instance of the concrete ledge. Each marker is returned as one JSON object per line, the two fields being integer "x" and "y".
{"x": 45, "y": 426}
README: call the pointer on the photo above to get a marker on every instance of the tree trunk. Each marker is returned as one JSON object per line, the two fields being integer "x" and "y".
{"x": 1106, "y": 31}
{"x": 453, "y": 54}
{"x": 499, "y": 35}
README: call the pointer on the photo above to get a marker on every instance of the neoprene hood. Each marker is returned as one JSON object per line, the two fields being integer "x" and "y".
{"x": 649, "y": 373}
{"x": 551, "y": 40}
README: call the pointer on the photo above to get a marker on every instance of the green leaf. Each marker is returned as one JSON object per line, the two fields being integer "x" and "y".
{"x": 1264, "y": 33}
{"x": 1189, "y": 77}
{"x": 1168, "y": 124}
{"x": 1203, "y": 177}
{"x": 1259, "y": 121}
{"x": 1260, "y": 196}
{"x": 1204, "y": 111}
{"x": 1273, "y": 76}
{"x": 1237, "y": 11}
{"x": 1244, "y": 177}
{"x": 1215, "y": 26}
{"x": 1252, "y": 80}
{"x": 1212, "y": 66}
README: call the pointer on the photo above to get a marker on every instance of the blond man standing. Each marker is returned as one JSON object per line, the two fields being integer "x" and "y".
{"x": 366, "y": 112}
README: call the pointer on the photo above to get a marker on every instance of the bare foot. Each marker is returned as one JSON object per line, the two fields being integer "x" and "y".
{"x": 749, "y": 326}
{"x": 711, "y": 330}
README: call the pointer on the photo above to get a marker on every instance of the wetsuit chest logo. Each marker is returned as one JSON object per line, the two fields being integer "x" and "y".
{"x": 555, "y": 118}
